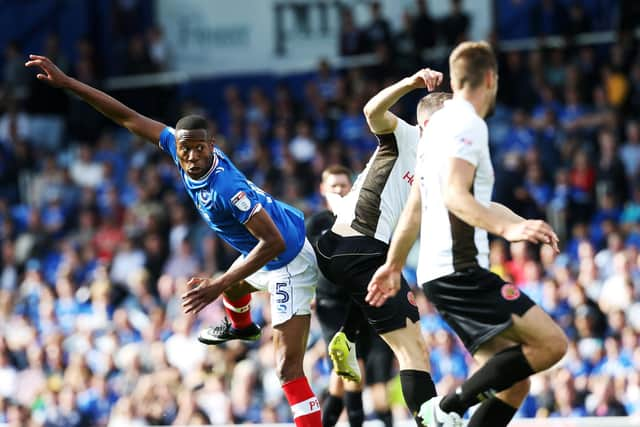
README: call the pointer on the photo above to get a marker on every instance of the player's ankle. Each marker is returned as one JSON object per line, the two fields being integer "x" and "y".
{"x": 238, "y": 311}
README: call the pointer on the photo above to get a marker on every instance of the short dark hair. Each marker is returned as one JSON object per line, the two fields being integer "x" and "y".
{"x": 192, "y": 122}
{"x": 336, "y": 170}
{"x": 433, "y": 102}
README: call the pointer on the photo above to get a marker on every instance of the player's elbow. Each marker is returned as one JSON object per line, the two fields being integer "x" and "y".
{"x": 368, "y": 110}
{"x": 276, "y": 245}
{"x": 451, "y": 198}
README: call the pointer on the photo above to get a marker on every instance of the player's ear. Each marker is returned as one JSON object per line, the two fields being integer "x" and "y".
{"x": 491, "y": 79}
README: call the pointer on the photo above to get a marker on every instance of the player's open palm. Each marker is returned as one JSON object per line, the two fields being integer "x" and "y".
{"x": 202, "y": 292}
{"x": 50, "y": 73}
{"x": 534, "y": 231}
{"x": 384, "y": 284}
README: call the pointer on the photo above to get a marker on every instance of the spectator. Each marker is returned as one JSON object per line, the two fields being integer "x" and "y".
{"x": 578, "y": 20}
{"x": 424, "y": 27}
{"x": 137, "y": 60}
{"x": 352, "y": 39}
{"x": 158, "y": 49}
{"x": 455, "y": 26}
{"x": 630, "y": 150}
{"x": 602, "y": 401}
{"x": 16, "y": 77}
{"x": 379, "y": 31}
{"x": 549, "y": 18}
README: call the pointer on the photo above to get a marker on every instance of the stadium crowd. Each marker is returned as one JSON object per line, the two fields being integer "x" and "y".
{"x": 98, "y": 238}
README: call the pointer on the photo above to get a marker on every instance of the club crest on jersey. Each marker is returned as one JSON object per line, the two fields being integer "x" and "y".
{"x": 510, "y": 292}
{"x": 204, "y": 197}
{"x": 241, "y": 201}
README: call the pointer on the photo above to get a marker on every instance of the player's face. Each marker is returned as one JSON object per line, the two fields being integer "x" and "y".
{"x": 336, "y": 184}
{"x": 195, "y": 157}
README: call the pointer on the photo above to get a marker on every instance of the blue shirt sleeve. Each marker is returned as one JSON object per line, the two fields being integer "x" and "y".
{"x": 241, "y": 200}
{"x": 168, "y": 142}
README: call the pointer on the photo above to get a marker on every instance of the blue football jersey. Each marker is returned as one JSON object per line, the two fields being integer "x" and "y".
{"x": 226, "y": 200}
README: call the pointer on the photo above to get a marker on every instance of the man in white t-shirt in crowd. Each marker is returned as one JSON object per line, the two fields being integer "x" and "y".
{"x": 509, "y": 336}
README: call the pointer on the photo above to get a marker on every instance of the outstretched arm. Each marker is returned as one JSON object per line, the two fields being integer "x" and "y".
{"x": 379, "y": 118}
{"x": 386, "y": 281}
{"x": 138, "y": 124}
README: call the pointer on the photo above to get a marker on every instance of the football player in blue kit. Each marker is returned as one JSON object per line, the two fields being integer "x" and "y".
{"x": 270, "y": 236}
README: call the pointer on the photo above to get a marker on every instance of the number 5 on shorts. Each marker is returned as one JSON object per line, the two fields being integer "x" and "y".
{"x": 282, "y": 297}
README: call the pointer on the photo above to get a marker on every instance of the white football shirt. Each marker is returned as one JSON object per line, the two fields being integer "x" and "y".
{"x": 447, "y": 244}
{"x": 374, "y": 204}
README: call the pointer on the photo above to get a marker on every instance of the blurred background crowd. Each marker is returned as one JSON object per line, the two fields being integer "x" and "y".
{"x": 98, "y": 237}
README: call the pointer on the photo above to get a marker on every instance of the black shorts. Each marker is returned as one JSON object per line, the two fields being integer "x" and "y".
{"x": 350, "y": 262}
{"x": 477, "y": 304}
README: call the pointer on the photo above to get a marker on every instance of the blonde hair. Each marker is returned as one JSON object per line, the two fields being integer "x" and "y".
{"x": 469, "y": 62}
{"x": 431, "y": 103}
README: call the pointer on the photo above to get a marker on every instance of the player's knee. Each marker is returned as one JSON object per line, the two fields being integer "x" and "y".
{"x": 552, "y": 348}
{"x": 560, "y": 345}
{"x": 409, "y": 348}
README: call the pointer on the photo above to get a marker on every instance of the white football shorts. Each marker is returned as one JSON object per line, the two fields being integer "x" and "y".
{"x": 292, "y": 287}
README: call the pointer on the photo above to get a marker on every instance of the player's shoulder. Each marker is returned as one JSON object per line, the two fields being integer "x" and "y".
{"x": 402, "y": 124}
{"x": 406, "y": 135}
{"x": 228, "y": 182}
{"x": 467, "y": 121}
{"x": 168, "y": 132}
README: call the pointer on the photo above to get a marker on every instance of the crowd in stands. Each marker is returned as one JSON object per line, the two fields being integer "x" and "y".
{"x": 98, "y": 237}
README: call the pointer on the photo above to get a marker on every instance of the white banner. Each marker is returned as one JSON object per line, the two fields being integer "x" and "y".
{"x": 217, "y": 35}
{"x": 229, "y": 36}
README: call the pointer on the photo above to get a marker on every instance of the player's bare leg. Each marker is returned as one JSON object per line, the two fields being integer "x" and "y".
{"x": 290, "y": 342}
{"x": 543, "y": 341}
{"x": 537, "y": 344}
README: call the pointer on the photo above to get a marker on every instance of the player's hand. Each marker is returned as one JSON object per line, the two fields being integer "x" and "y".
{"x": 426, "y": 78}
{"x": 50, "y": 72}
{"x": 534, "y": 231}
{"x": 384, "y": 284}
{"x": 202, "y": 292}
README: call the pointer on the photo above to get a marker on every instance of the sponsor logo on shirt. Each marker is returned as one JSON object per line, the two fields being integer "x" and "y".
{"x": 510, "y": 292}
{"x": 241, "y": 201}
{"x": 408, "y": 176}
